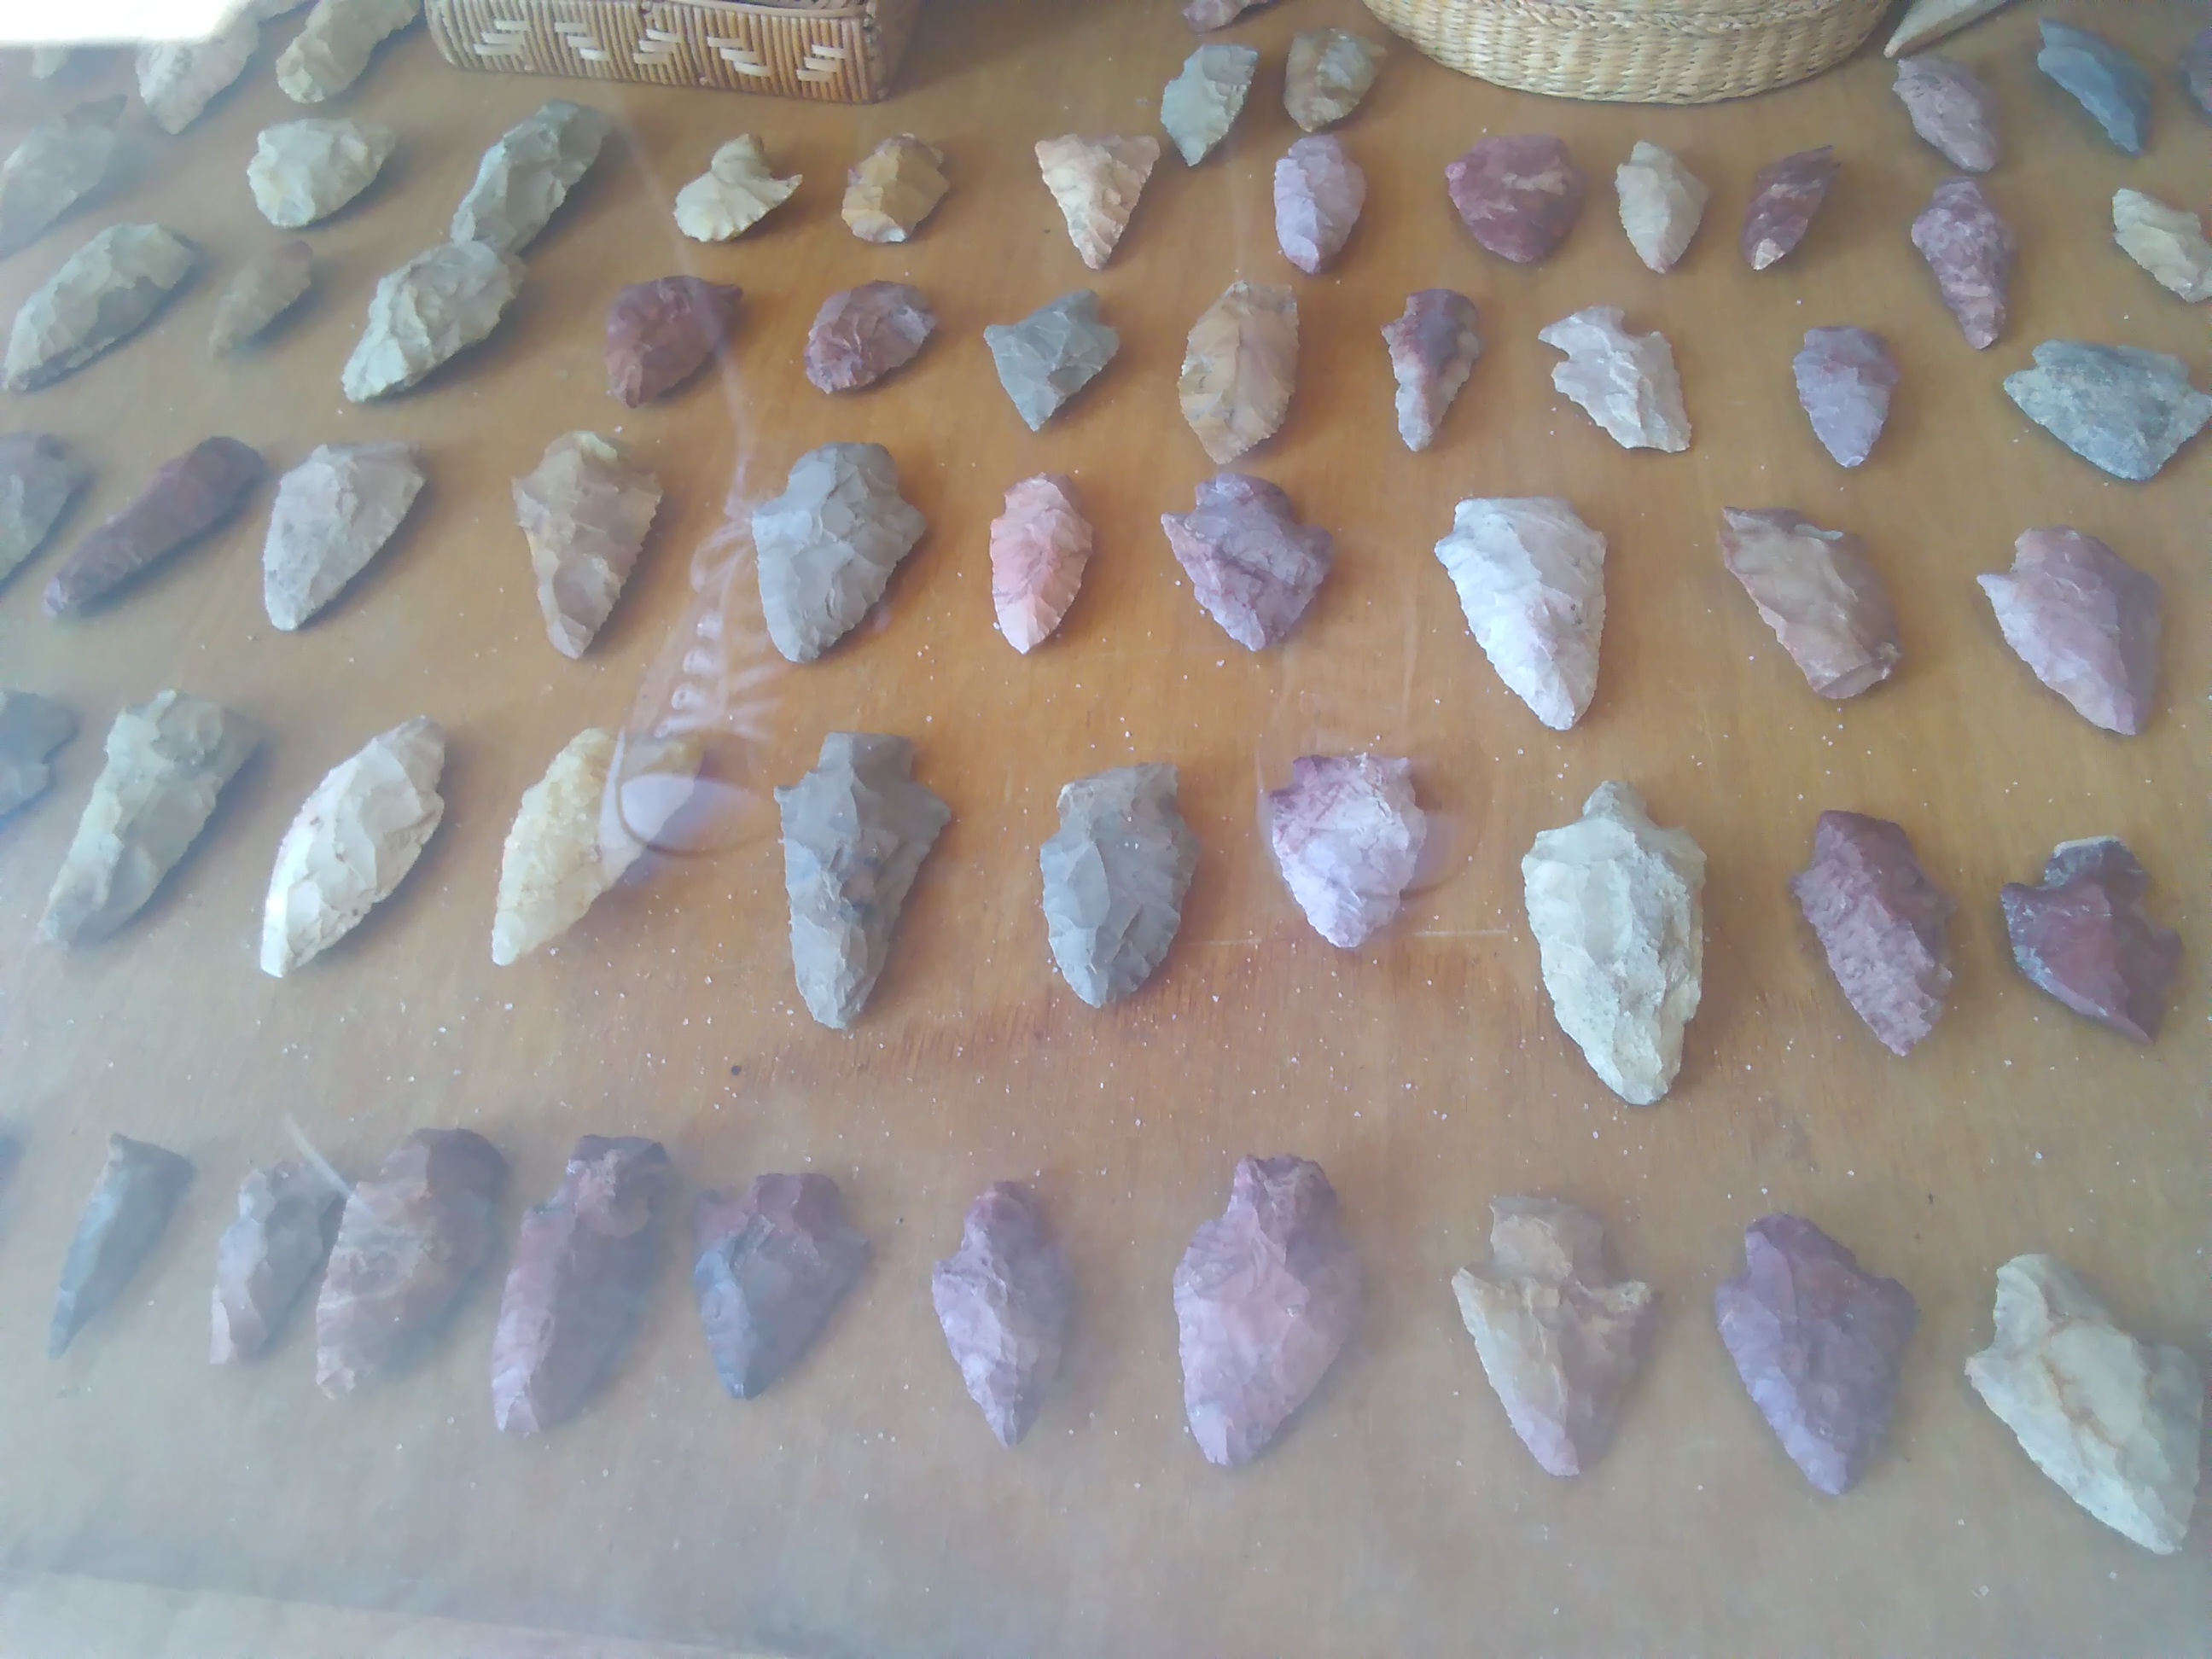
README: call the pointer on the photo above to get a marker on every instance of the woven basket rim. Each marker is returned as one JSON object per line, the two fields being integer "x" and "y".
{"x": 1687, "y": 17}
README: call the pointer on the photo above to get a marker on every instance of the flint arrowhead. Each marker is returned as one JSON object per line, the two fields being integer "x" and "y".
{"x": 1115, "y": 875}
{"x": 584, "y": 1261}
{"x": 525, "y": 176}
{"x": 2118, "y": 407}
{"x": 334, "y": 513}
{"x": 305, "y": 170}
{"x": 771, "y": 1267}
{"x": 2168, "y": 242}
{"x": 1096, "y": 183}
{"x": 1039, "y": 548}
{"x": 1881, "y": 924}
{"x": 1252, "y": 565}
{"x": 333, "y": 47}
{"x": 30, "y": 728}
{"x": 827, "y": 546}
{"x": 1265, "y": 1298}
{"x": 103, "y": 294}
{"x": 1817, "y": 1343}
{"x": 1531, "y": 576}
{"x": 1624, "y": 382}
{"x": 178, "y": 79}
{"x": 1661, "y": 204}
{"x": 1328, "y": 72}
{"x": 1820, "y": 594}
{"x": 1007, "y": 1301}
{"x": 130, "y": 1206}
{"x": 1951, "y": 109}
{"x": 1319, "y": 190}
{"x": 862, "y": 334}
{"x": 893, "y": 188}
{"x": 38, "y": 480}
{"x": 585, "y": 512}
{"x": 411, "y": 1238}
{"x": 662, "y": 332}
{"x": 1433, "y": 348}
{"x": 432, "y": 308}
{"x": 1051, "y": 354}
{"x": 1201, "y": 104}
{"x": 1560, "y": 1339}
{"x": 184, "y": 499}
{"x": 1970, "y": 251}
{"x": 735, "y": 193}
{"x": 1845, "y": 379}
{"x": 287, "y": 1217}
{"x": 1784, "y": 196}
{"x": 1347, "y": 836}
{"x": 2084, "y": 936}
{"x": 1518, "y": 193}
{"x": 57, "y": 166}
{"x": 2085, "y": 620}
{"x": 1238, "y": 368}
{"x": 2104, "y": 79}
{"x": 264, "y": 289}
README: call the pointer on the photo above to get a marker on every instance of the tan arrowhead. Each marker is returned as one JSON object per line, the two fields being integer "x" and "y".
{"x": 1926, "y": 21}
{"x": 1096, "y": 182}
{"x": 1238, "y": 368}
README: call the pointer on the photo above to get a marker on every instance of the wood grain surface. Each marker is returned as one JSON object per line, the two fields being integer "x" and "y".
{"x": 860, "y": 1506}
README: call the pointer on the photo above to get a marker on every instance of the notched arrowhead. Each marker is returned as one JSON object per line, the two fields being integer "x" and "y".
{"x": 827, "y": 546}
{"x": 1625, "y": 382}
{"x": 2084, "y": 936}
{"x": 584, "y": 1261}
{"x": 1265, "y": 1299}
{"x": 771, "y": 1266}
{"x": 1115, "y": 875}
{"x": 2120, "y": 407}
{"x": 1881, "y": 924}
{"x": 1347, "y": 836}
{"x": 287, "y": 1218}
{"x": 2085, "y": 620}
{"x": 1531, "y": 576}
{"x": 1005, "y": 1300}
{"x": 129, "y": 1206}
{"x": 1252, "y": 565}
{"x": 1820, "y": 594}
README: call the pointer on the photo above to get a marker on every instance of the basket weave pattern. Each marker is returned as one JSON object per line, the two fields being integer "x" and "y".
{"x": 836, "y": 53}
{"x": 1637, "y": 52}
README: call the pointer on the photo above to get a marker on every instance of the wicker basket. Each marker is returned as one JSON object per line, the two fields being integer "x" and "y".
{"x": 837, "y": 52}
{"x": 1635, "y": 51}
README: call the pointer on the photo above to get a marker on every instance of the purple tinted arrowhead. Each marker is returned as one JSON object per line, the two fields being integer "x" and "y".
{"x": 1844, "y": 377}
{"x": 1783, "y": 199}
{"x": 1319, "y": 190}
{"x": 1006, "y": 1300}
{"x": 863, "y": 333}
{"x": 771, "y": 1267}
{"x": 1252, "y": 564}
{"x": 2085, "y": 620}
{"x": 1265, "y": 1299}
{"x": 1817, "y": 1343}
{"x": 583, "y": 1260}
{"x": 1950, "y": 108}
{"x": 2084, "y": 936}
{"x": 1881, "y": 923}
{"x": 1518, "y": 193}
{"x": 1347, "y": 837}
{"x": 1970, "y": 251}
{"x": 1433, "y": 347}
{"x": 660, "y": 333}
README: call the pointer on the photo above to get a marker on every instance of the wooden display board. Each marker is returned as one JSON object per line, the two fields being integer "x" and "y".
{"x": 860, "y": 1506}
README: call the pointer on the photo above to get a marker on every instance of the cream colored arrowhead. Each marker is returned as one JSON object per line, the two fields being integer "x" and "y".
{"x": 354, "y": 840}
{"x": 178, "y": 79}
{"x": 586, "y": 514}
{"x": 333, "y": 47}
{"x": 734, "y": 194}
{"x": 1238, "y": 369}
{"x": 1926, "y": 21}
{"x": 893, "y": 188}
{"x": 103, "y": 293}
{"x": 304, "y": 171}
{"x": 1096, "y": 182}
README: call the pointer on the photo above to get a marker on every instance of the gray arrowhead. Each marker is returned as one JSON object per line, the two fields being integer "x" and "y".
{"x": 1115, "y": 876}
{"x": 129, "y": 1206}
{"x": 2118, "y": 407}
{"x": 827, "y": 546}
{"x": 1052, "y": 353}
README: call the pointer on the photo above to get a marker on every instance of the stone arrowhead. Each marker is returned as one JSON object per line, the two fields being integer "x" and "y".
{"x": 57, "y": 166}
{"x": 1115, "y": 875}
{"x": 1817, "y": 1343}
{"x": 893, "y": 188}
{"x": 1265, "y": 1299}
{"x": 584, "y": 1261}
{"x": 1328, "y": 73}
{"x": 184, "y": 499}
{"x": 1007, "y": 1301}
{"x": 579, "y": 828}
{"x": 167, "y": 760}
{"x": 2086, "y": 621}
{"x": 1238, "y": 368}
{"x": 352, "y": 841}
{"x": 1200, "y": 105}
{"x": 862, "y": 334}
{"x": 1205, "y": 14}
{"x": 411, "y": 1238}
{"x": 1819, "y": 592}
{"x": 661, "y": 333}
{"x": 130, "y": 1206}
{"x": 103, "y": 294}
{"x": 1561, "y": 1340}
{"x": 178, "y": 79}
{"x": 1052, "y": 353}
{"x": 1661, "y": 204}
{"x": 265, "y": 287}
{"x": 585, "y": 512}
{"x": 38, "y": 480}
{"x": 1926, "y": 21}
{"x": 305, "y": 170}
{"x": 30, "y": 728}
{"x": 1624, "y": 382}
{"x": 1252, "y": 565}
{"x": 2120, "y": 407}
{"x": 525, "y": 176}
{"x": 1096, "y": 182}
{"x": 333, "y": 47}
{"x": 334, "y": 513}
{"x": 1319, "y": 190}
{"x": 855, "y": 831}
{"x": 434, "y": 306}
{"x": 1970, "y": 251}
{"x": 735, "y": 193}
{"x": 771, "y": 1266}
{"x": 1039, "y": 547}
{"x": 1531, "y": 576}
{"x": 1881, "y": 923}
{"x": 2168, "y": 242}
{"x": 1951, "y": 109}
{"x": 1433, "y": 348}
{"x": 287, "y": 1218}
{"x": 2084, "y": 936}
{"x": 2104, "y": 79}
{"x": 2197, "y": 71}
{"x": 1519, "y": 193}
{"x": 2114, "y": 1422}
{"x": 1784, "y": 196}
{"x": 1347, "y": 836}
{"x": 827, "y": 546}
{"x": 1616, "y": 904}
{"x": 1844, "y": 377}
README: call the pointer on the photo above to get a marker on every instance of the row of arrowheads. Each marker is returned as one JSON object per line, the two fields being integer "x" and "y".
{"x": 1264, "y": 1296}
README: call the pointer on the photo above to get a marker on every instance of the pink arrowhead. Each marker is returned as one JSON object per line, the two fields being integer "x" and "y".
{"x": 1039, "y": 547}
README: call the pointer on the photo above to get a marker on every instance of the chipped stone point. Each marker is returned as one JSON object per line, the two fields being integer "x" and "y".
{"x": 264, "y": 289}
{"x": 1844, "y": 377}
{"x": 1051, "y": 354}
{"x": 333, "y": 47}
{"x": 2168, "y": 242}
{"x": 103, "y": 294}
{"x": 438, "y": 304}
{"x": 1784, "y": 196}
{"x": 827, "y": 546}
{"x": 39, "y": 479}
{"x": 1115, "y": 875}
{"x": 1615, "y": 903}
{"x": 1661, "y": 204}
{"x": 302, "y": 172}
{"x": 1433, "y": 347}
{"x": 1319, "y": 190}
{"x": 1518, "y": 194}
{"x": 1252, "y": 565}
{"x": 1096, "y": 183}
{"x": 287, "y": 1218}
{"x": 735, "y": 193}
{"x": 57, "y": 164}
{"x": 1820, "y": 594}
{"x": 1347, "y": 836}
{"x": 893, "y": 188}
{"x": 1039, "y": 548}
{"x": 525, "y": 176}
{"x": 334, "y": 513}
{"x": 2085, "y": 620}
{"x": 1951, "y": 108}
{"x": 1881, "y": 924}
{"x": 585, "y": 512}
{"x": 1624, "y": 382}
{"x": 2111, "y": 86}
{"x": 2084, "y": 935}
{"x": 771, "y": 1267}
{"x": 30, "y": 728}
{"x": 662, "y": 332}
{"x": 1970, "y": 251}
{"x": 184, "y": 499}
{"x": 124, "y": 1217}
{"x": 1201, "y": 104}
{"x": 178, "y": 79}
{"x": 1005, "y": 1302}
{"x": 1327, "y": 73}
{"x": 1531, "y": 576}
{"x": 1239, "y": 366}
{"x": 2120, "y": 407}
{"x": 862, "y": 334}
